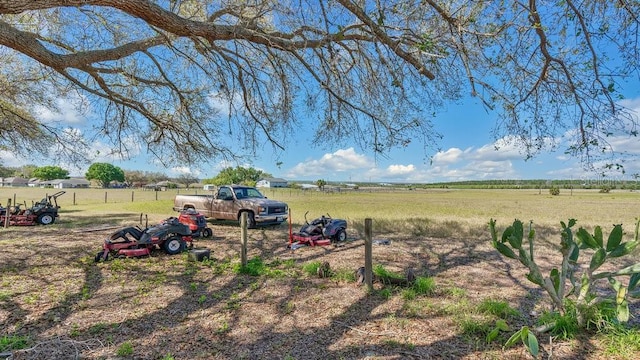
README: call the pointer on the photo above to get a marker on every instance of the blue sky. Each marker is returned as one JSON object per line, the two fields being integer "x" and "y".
{"x": 467, "y": 153}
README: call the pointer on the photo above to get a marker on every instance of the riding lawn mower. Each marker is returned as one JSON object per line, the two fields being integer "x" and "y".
{"x": 196, "y": 222}
{"x": 322, "y": 231}
{"x": 170, "y": 235}
{"x": 43, "y": 212}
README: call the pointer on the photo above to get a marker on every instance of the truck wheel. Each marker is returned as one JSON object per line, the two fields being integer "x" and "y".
{"x": 251, "y": 220}
{"x": 174, "y": 245}
{"x": 340, "y": 236}
{"x": 46, "y": 219}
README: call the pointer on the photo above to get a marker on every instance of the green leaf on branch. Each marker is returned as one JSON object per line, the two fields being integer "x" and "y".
{"x": 505, "y": 250}
{"x": 516, "y": 237}
{"x": 492, "y": 335}
{"x": 633, "y": 281}
{"x": 524, "y": 258}
{"x": 623, "y": 249}
{"x": 597, "y": 235}
{"x": 573, "y": 258}
{"x": 614, "y": 238}
{"x": 494, "y": 233}
{"x": 597, "y": 259}
{"x": 528, "y": 339}
{"x": 629, "y": 270}
{"x": 555, "y": 279}
{"x": 507, "y": 233}
{"x": 532, "y": 344}
{"x": 536, "y": 279}
{"x": 622, "y": 311}
{"x": 501, "y": 325}
{"x": 587, "y": 241}
{"x": 584, "y": 286}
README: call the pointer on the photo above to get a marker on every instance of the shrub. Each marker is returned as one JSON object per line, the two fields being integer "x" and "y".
{"x": 125, "y": 349}
{"x": 572, "y": 286}
{"x": 554, "y": 190}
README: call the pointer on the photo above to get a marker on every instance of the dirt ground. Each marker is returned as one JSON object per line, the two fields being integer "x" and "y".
{"x": 167, "y": 307}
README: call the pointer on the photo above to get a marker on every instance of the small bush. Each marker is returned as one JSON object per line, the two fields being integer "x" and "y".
{"x": 254, "y": 267}
{"x": 500, "y": 309}
{"x": 554, "y": 190}
{"x": 564, "y": 326}
{"x": 380, "y": 271}
{"x": 311, "y": 268}
{"x": 605, "y": 189}
{"x": 125, "y": 349}
{"x": 347, "y": 275}
{"x": 424, "y": 285}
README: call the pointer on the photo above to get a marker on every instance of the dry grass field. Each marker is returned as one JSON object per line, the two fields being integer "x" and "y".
{"x": 57, "y": 303}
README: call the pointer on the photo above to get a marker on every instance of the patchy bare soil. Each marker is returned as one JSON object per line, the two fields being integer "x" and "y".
{"x": 167, "y": 307}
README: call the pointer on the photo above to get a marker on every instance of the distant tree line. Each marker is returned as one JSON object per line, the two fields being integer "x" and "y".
{"x": 107, "y": 175}
{"x": 633, "y": 183}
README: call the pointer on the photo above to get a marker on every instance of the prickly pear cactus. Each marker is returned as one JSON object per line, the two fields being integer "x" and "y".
{"x": 566, "y": 280}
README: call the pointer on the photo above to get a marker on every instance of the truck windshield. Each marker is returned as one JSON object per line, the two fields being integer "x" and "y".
{"x": 243, "y": 193}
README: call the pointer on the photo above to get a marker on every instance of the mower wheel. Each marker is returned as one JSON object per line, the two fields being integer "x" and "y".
{"x": 99, "y": 256}
{"x": 207, "y": 233}
{"x": 173, "y": 245}
{"x": 340, "y": 236}
{"x": 46, "y": 219}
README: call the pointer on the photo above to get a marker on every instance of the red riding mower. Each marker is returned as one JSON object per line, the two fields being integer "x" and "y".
{"x": 170, "y": 235}
{"x": 43, "y": 212}
{"x": 196, "y": 222}
{"x": 322, "y": 231}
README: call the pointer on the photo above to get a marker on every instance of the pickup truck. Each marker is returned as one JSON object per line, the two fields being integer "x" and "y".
{"x": 228, "y": 202}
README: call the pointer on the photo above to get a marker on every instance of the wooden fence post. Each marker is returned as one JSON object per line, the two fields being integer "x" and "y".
{"x": 7, "y": 213}
{"x": 132, "y": 195}
{"x": 243, "y": 236}
{"x": 368, "y": 253}
{"x": 105, "y": 197}
{"x": 74, "y": 198}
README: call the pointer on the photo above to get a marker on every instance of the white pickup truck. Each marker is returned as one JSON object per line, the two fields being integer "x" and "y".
{"x": 228, "y": 202}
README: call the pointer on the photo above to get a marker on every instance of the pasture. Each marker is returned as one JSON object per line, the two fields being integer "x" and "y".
{"x": 59, "y": 304}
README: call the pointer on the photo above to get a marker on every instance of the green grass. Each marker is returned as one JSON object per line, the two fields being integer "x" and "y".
{"x": 13, "y": 342}
{"x": 497, "y": 308}
{"x": 379, "y": 270}
{"x": 125, "y": 349}
{"x": 621, "y": 342}
{"x": 438, "y": 213}
{"x": 419, "y": 213}
{"x": 311, "y": 268}
{"x": 424, "y": 285}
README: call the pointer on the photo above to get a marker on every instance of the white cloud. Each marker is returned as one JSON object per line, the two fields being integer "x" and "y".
{"x": 221, "y": 105}
{"x": 503, "y": 149}
{"x": 632, "y": 104}
{"x": 625, "y": 144}
{"x": 185, "y": 170}
{"x": 9, "y": 159}
{"x": 401, "y": 169}
{"x": 70, "y": 110}
{"x": 450, "y": 156}
{"x": 506, "y": 148}
{"x": 331, "y": 165}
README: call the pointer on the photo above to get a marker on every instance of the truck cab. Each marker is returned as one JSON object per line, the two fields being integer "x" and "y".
{"x": 228, "y": 202}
